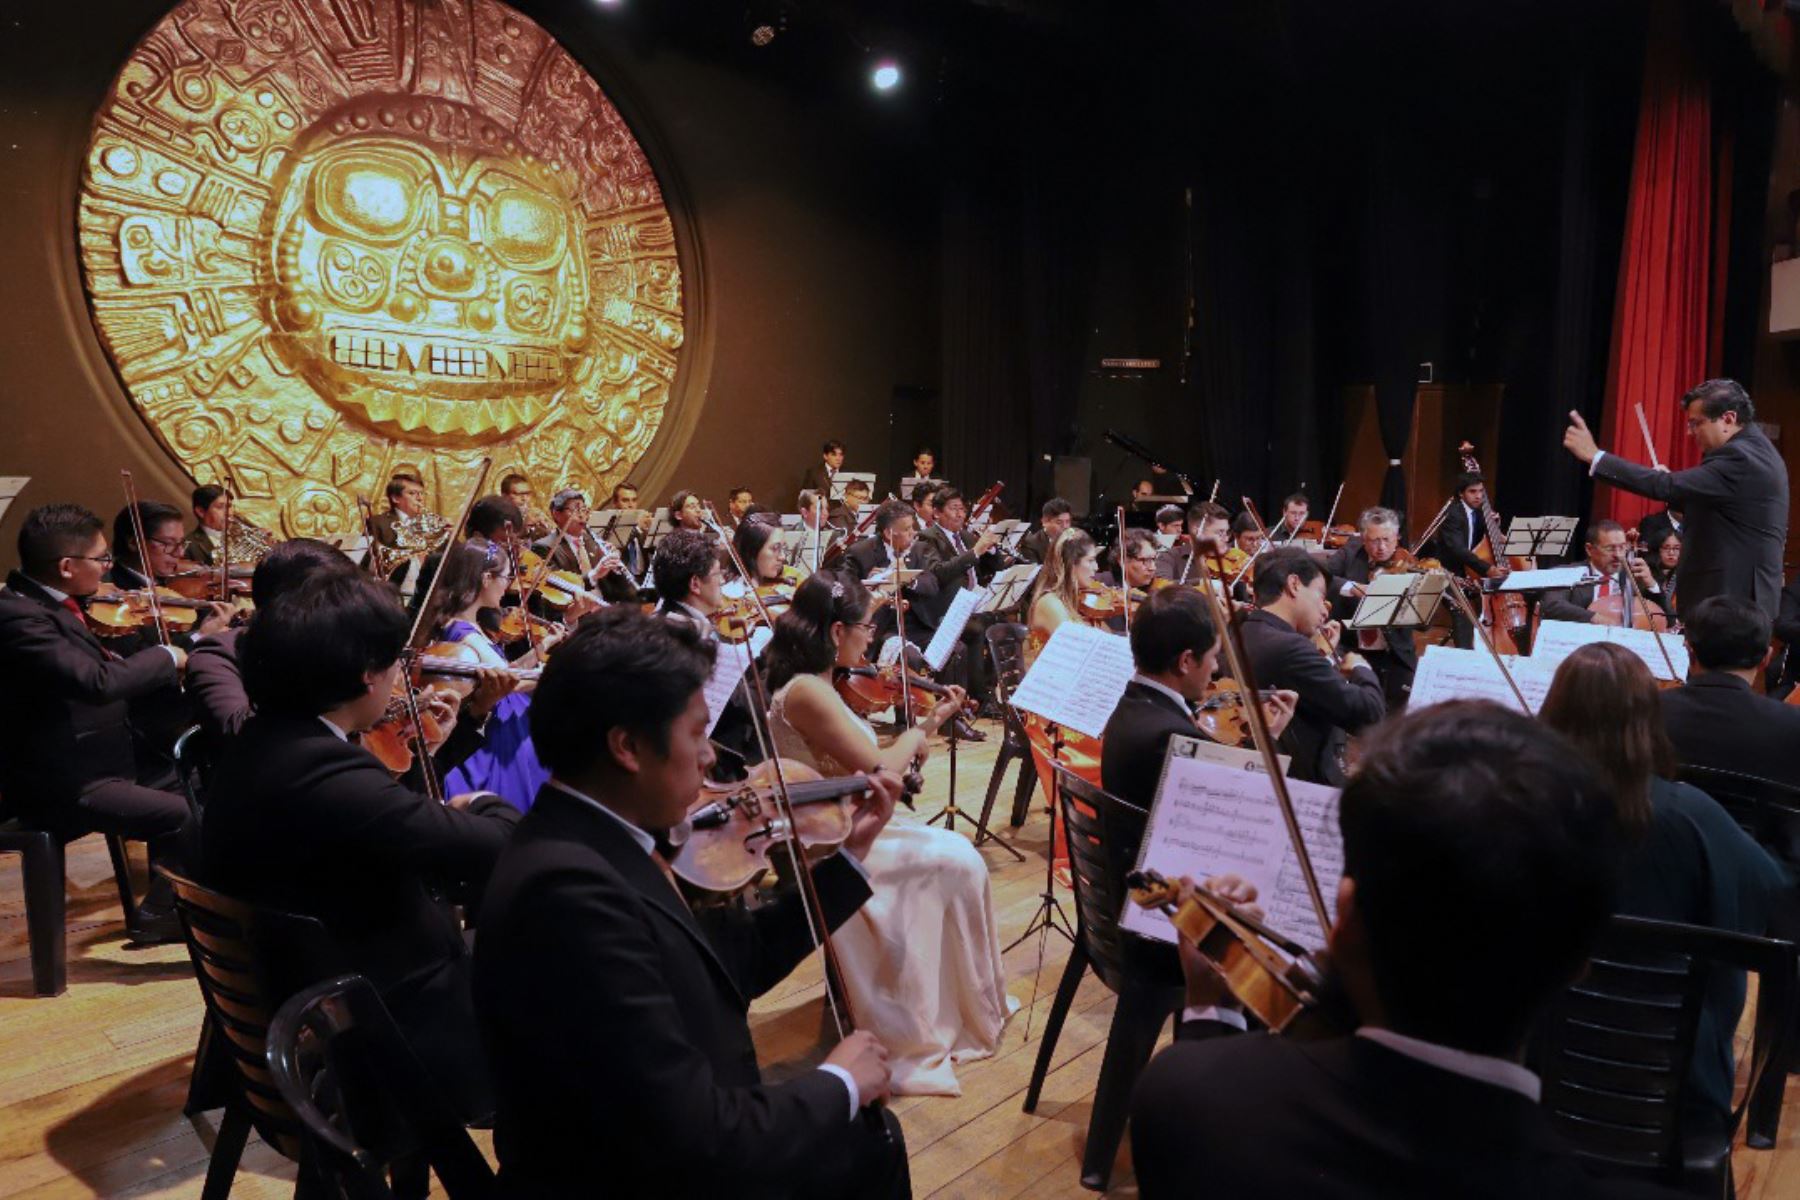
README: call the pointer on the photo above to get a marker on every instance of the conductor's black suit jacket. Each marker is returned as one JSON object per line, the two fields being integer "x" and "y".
{"x": 615, "y": 1021}
{"x": 1736, "y": 505}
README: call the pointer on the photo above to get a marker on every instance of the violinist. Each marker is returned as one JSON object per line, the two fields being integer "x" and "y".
{"x": 1718, "y": 720}
{"x": 1245, "y": 536}
{"x": 757, "y": 545}
{"x": 1169, "y": 521}
{"x": 1293, "y": 515}
{"x": 496, "y": 521}
{"x": 304, "y": 819}
{"x": 573, "y": 548}
{"x": 68, "y": 762}
{"x": 211, "y": 507}
{"x": 1467, "y": 826}
{"x": 1176, "y": 651}
{"x": 1056, "y": 517}
{"x": 1182, "y": 563}
{"x": 921, "y": 961}
{"x": 1390, "y": 651}
{"x": 1607, "y": 557}
{"x": 533, "y": 524}
{"x": 1134, "y": 558}
{"x": 690, "y": 582}
{"x": 613, "y": 1013}
{"x": 135, "y": 570}
{"x": 1339, "y": 694}
{"x": 895, "y": 543}
{"x": 1056, "y": 593}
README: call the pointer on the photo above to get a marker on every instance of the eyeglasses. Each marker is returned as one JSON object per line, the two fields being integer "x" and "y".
{"x": 1694, "y": 423}
{"x": 105, "y": 560}
{"x": 866, "y": 626}
{"x": 166, "y": 543}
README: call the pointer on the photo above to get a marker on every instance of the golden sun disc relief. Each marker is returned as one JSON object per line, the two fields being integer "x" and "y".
{"x": 326, "y": 239}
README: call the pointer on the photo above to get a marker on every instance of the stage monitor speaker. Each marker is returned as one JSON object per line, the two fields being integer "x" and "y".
{"x": 1074, "y": 482}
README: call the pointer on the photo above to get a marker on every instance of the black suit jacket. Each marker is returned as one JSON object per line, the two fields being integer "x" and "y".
{"x": 197, "y": 547}
{"x": 1034, "y": 546}
{"x": 1136, "y": 738}
{"x": 1571, "y": 604}
{"x": 866, "y": 556}
{"x": 1351, "y": 565}
{"x": 615, "y": 588}
{"x": 215, "y": 686}
{"x": 1717, "y": 721}
{"x": 949, "y": 568}
{"x": 1256, "y": 1116}
{"x": 1736, "y": 504}
{"x": 1452, "y": 542}
{"x": 816, "y": 478}
{"x": 64, "y": 710}
{"x": 1332, "y": 705}
{"x": 614, "y": 1017}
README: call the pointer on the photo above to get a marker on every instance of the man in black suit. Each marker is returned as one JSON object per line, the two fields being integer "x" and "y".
{"x": 895, "y": 540}
{"x": 571, "y": 547}
{"x": 1176, "y": 652}
{"x": 1466, "y": 827}
{"x": 303, "y": 819}
{"x": 204, "y": 540}
{"x": 614, "y": 1014}
{"x": 1458, "y": 542}
{"x": 1391, "y": 651}
{"x": 1053, "y": 521}
{"x": 1716, "y": 720}
{"x": 1607, "y": 558}
{"x": 1294, "y": 510}
{"x": 817, "y": 477}
{"x": 1736, "y": 499}
{"x": 1787, "y": 628}
{"x": 956, "y": 562}
{"x": 1208, "y": 523}
{"x": 68, "y": 761}
{"x": 1337, "y": 699}
{"x": 406, "y": 498}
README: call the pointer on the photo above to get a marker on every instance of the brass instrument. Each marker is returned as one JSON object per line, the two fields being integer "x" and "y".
{"x": 414, "y": 537}
{"x": 246, "y": 544}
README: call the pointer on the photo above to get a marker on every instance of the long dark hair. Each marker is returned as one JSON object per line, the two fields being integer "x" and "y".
{"x": 1605, "y": 700}
{"x": 460, "y": 571}
{"x": 749, "y": 540}
{"x": 802, "y": 642}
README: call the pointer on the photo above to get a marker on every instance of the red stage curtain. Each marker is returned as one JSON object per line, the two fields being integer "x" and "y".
{"x": 1661, "y": 326}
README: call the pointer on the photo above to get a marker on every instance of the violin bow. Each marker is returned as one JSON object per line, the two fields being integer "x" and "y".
{"x": 811, "y": 907}
{"x": 1238, "y": 659}
{"x": 434, "y": 787}
{"x": 1431, "y": 529}
{"x": 1332, "y": 515}
{"x": 1124, "y": 579}
{"x": 1649, "y": 442}
{"x": 143, "y": 555}
{"x": 1632, "y": 596}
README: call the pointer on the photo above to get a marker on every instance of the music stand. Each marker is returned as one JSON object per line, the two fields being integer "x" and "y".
{"x": 1535, "y": 537}
{"x": 660, "y": 526}
{"x": 1007, "y": 590}
{"x": 1400, "y": 600}
{"x": 615, "y": 525}
{"x": 1050, "y": 914}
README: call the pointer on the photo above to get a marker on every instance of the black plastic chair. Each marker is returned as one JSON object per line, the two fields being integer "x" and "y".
{"x": 1768, "y": 811}
{"x": 1103, "y": 835}
{"x": 43, "y": 862}
{"x": 1006, "y": 650}
{"x": 1614, "y": 1049}
{"x": 248, "y": 961}
{"x": 365, "y": 1104}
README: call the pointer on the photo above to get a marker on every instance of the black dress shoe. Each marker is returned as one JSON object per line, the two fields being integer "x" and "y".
{"x": 966, "y": 732}
{"x": 155, "y": 927}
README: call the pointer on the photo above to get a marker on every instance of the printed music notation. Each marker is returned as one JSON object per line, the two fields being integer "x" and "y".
{"x": 1666, "y": 654}
{"x": 1212, "y": 818}
{"x": 729, "y": 665}
{"x": 1447, "y": 673}
{"x": 1078, "y": 678}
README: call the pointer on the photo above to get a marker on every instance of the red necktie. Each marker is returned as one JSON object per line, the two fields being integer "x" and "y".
{"x": 69, "y": 603}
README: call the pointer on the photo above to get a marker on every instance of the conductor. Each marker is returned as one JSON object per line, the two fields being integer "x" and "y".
{"x": 1736, "y": 499}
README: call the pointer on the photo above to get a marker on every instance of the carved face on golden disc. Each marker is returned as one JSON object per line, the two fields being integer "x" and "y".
{"x": 323, "y": 240}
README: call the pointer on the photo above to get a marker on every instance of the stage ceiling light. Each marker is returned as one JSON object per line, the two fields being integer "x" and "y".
{"x": 885, "y": 76}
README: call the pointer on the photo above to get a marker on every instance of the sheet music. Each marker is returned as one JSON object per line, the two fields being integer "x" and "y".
{"x": 1077, "y": 680}
{"x": 1447, "y": 673}
{"x": 1384, "y": 601}
{"x": 732, "y": 660}
{"x": 1008, "y": 587}
{"x": 1210, "y": 818}
{"x": 949, "y": 630}
{"x": 10, "y": 487}
{"x": 1556, "y": 640}
{"x": 1548, "y": 577}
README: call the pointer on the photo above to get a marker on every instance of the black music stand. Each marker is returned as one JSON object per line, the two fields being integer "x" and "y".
{"x": 1049, "y": 914}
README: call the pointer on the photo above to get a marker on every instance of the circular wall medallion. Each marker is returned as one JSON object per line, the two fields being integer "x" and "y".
{"x": 322, "y": 238}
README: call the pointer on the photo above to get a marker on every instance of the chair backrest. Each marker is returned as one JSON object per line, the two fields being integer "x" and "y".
{"x": 1614, "y": 1049}
{"x": 190, "y": 769}
{"x": 1104, "y": 833}
{"x": 248, "y": 961}
{"x": 362, "y": 1098}
{"x": 1006, "y": 649}
{"x": 1766, "y": 810}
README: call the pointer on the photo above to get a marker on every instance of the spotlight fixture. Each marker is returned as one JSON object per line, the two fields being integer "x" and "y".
{"x": 762, "y": 35}
{"x": 886, "y": 75}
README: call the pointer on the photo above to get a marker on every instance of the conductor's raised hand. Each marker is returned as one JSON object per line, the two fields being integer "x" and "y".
{"x": 1578, "y": 439}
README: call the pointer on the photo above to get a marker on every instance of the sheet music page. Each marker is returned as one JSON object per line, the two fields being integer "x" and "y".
{"x": 729, "y": 665}
{"x": 1008, "y": 587}
{"x": 1447, "y": 673}
{"x": 10, "y": 487}
{"x": 950, "y": 629}
{"x": 1548, "y": 577}
{"x": 1556, "y": 640}
{"x": 1077, "y": 680}
{"x": 1210, "y": 818}
{"x": 1380, "y": 603}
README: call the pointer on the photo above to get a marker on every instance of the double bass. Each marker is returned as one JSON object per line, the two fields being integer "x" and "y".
{"x": 1506, "y": 613}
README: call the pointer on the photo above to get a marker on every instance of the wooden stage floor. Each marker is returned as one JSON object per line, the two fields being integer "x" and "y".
{"x": 92, "y": 1083}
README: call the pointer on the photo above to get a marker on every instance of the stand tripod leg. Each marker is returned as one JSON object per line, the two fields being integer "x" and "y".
{"x": 1050, "y": 914}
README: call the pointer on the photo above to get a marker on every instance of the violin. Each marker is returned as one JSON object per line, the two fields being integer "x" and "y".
{"x": 395, "y": 739}
{"x": 202, "y": 583}
{"x": 1100, "y": 603}
{"x": 1278, "y": 981}
{"x": 115, "y": 614}
{"x": 1220, "y": 713}
{"x": 516, "y": 623}
{"x": 1404, "y": 562}
{"x": 731, "y": 828}
{"x": 870, "y": 689}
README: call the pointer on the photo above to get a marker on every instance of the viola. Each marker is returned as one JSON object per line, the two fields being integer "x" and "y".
{"x": 870, "y": 689}
{"x": 1281, "y": 983}
{"x": 732, "y": 829}
{"x": 202, "y": 583}
{"x": 1220, "y": 713}
{"x": 516, "y": 622}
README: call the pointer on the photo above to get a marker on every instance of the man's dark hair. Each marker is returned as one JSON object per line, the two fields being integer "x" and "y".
{"x": 1242, "y": 523}
{"x": 1600, "y": 525}
{"x": 1727, "y": 633}
{"x": 491, "y": 514}
{"x": 52, "y": 532}
{"x": 1201, "y": 513}
{"x": 205, "y": 494}
{"x": 1133, "y": 542}
{"x": 622, "y": 486}
{"x": 831, "y": 446}
{"x": 1296, "y": 498}
{"x": 924, "y": 490}
{"x": 734, "y": 492}
{"x": 1169, "y": 512}
{"x": 307, "y": 652}
{"x": 923, "y": 450}
{"x": 1468, "y": 826}
{"x": 396, "y": 487}
{"x": 513, "y": 478}
{"x": 889, "y": 513}
{"x": 283, "y": 567}
{"x": 945, "y": 495}
{"x": 1273, "y": 572}
{"x": 683, "y": 556}
{"x": 1717, "y": 397}
{"x": 620, "y": 668}
{"x": 1056, "y": 506}
{"x": 1468, "y": 479}
{"x": 858, "y": 485}
{"x": 1173, "y": 619}
{"x": 153, "y": 513}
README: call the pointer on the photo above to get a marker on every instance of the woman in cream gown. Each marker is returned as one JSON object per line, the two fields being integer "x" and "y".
{"x": 921, "y": 959}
